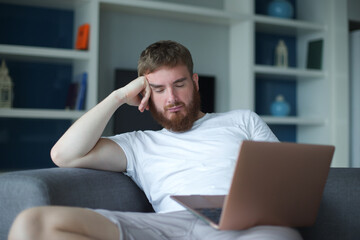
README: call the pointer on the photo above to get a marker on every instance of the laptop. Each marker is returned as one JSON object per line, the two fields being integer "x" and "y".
{"x": 273, "y": 184}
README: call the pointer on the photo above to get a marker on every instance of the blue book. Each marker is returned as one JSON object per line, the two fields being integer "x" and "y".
{"x": 81, "y": 96}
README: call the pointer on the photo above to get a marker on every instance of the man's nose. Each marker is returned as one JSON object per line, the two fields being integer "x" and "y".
{"x": 171, "y": 96}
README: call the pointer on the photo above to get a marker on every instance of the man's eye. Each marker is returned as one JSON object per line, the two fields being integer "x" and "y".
{"x": 158, "y": 90}
{"x": 180, "y": 85}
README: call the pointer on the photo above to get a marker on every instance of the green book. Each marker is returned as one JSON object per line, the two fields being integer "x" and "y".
{"x": 314, "y": 54}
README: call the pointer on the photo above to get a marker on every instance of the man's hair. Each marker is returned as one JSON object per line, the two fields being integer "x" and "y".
{"x": 164, "y": 53}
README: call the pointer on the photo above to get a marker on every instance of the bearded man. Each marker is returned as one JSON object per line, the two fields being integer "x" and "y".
{"x": 195, "y": 153}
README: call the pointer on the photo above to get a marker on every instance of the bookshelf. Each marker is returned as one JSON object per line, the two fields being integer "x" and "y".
{"x": 287, "y": 73}
{"x": 285, "y": 26}
{"x": 321, "y": 114}
{"x": 46, "y": 54}
{"x": 41, "y": 68}
{"x": 319, "y": 96}
{"x": 40, "y": 113}
{"x": 172, "y": 10}
{"x": 80, "y": 61}
{"x": 318, "y": 115}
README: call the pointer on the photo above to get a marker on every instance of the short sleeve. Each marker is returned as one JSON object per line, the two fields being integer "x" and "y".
{"x": 125, "y": 141}
{"x": 259, "y": 130}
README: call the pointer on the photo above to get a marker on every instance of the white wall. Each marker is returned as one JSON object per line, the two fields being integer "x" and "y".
{"x": 355, "y": 97}
{"x": 354, "y": 15}
{"x": 123, "y": 37}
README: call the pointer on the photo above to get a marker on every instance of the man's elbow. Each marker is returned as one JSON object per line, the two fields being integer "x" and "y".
{"x": 57, "y": 158}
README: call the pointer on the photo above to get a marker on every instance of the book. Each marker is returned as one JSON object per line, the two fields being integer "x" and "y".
{"x": 82, "y": 37}
{"x": 71, "y": 96}
{"x": 81, "y": 96}
{"x": 76, "y": 97}
{"x": 315, "y": 54}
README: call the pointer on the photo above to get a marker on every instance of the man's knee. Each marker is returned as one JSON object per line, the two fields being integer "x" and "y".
{"x": 29, "y": 224}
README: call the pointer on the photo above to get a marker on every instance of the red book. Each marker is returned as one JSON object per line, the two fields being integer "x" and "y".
{"x": 82, "y": 38}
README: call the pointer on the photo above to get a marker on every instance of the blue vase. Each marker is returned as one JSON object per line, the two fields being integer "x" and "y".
{"x": 280, "y": 108}
{"x": 281, "y": 9}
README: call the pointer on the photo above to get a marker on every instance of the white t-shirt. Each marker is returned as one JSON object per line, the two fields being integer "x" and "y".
{"x": 199, "y": 161}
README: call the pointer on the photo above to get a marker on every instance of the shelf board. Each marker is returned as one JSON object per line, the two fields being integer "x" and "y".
{"x": 293, "y": 120}
{"x": 287, "y": 72}
{"x": 44, "y": 53}
{"x": 63, "y": 4}
{"x": 285, "y": 26}
{"x": 172, "y": 10}
{"x": 40, "y": 113}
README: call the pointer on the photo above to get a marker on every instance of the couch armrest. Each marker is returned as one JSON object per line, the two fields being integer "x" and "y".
{"x": 67, "y": 187}
{"x": 339, "y": 212}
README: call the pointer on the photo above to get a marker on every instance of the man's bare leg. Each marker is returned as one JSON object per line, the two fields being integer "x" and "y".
{"x": 44, "y": 223}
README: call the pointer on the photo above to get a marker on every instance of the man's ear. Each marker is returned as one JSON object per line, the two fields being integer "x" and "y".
{"x": 195, "y": 78}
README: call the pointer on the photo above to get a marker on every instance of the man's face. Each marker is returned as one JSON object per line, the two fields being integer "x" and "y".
{"x": 175, "y": 100}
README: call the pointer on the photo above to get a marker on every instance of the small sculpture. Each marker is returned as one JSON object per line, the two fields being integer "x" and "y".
{"x": 281, "y": 54}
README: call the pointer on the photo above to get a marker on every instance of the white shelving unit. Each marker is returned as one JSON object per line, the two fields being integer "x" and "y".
{"x": 288, "y": 72}
{"x": 40, "y": 114}
{"x": 294, "y": 121}
{"x": 295, "y": 28}
{"x": 320, "y": 113}
{"x": 47, "y": 54}
{"x": 285, "y": 26}
{"x": 291, "y": 74}
{"x": 82, "y": 61}
{"x": 321, "y": 102}
{"x": 172, "y": 10}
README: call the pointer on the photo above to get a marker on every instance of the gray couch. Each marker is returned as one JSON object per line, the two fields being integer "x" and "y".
{"x": 338, "y": 215}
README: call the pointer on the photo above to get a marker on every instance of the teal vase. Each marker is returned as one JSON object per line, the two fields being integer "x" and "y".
{"x": 281, "y": 9}
{"x": 280, "y": 108}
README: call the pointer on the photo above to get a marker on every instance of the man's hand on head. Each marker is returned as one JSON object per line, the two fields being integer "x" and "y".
{"x": 137, "y": 93}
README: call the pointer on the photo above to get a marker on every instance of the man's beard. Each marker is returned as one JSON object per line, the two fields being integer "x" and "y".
{"x": 180, "y": 122}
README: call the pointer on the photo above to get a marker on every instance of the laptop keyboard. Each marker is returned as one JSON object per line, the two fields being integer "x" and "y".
{"x": 211, "y": 213}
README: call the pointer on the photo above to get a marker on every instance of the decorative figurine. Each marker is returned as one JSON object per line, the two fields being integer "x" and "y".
{"x": 6, "y": 87}
{"x": 280, "y": 108}
{"x": 281, "y": 54}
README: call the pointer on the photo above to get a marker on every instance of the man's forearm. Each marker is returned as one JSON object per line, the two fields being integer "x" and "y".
{"x": 83, "y": 135}
{"x": 79, "y": 145}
